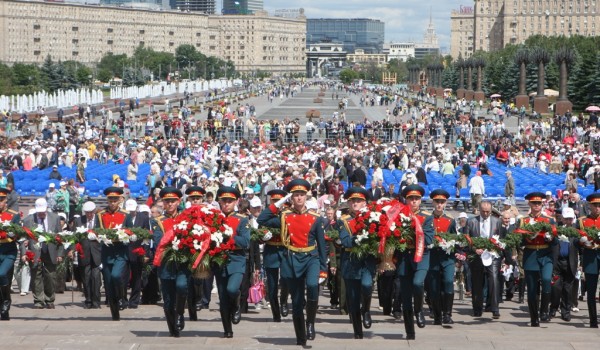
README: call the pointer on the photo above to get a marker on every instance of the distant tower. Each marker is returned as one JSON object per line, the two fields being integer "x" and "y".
{"x": 430, "y": 37}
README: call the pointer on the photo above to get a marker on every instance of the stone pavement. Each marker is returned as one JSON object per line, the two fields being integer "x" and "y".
{"x": 69, "y": 326}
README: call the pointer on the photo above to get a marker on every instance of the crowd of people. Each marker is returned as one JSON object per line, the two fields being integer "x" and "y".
{"x": 235, "y": 162}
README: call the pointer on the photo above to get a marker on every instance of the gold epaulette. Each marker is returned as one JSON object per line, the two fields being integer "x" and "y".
{"x": 423, "y": 213}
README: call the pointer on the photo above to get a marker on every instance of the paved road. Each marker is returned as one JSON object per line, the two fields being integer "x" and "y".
{"x": 69, "y": 326}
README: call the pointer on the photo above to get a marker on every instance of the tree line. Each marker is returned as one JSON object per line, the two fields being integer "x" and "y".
{"x": 144, "y": 65}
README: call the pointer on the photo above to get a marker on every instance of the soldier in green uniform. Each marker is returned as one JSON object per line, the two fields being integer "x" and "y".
{"x": 537, "y": 261}
{"x": 442, "y": 265}
{"x": 412, "y": 271}
{"x": 357, "y": 272}
{"x": 195, "y": 196}
{"x": 8, "y": 255}
{"x": 305, "y": 263}
{"x": 229, "y": 276}
{"x": 590, "y": 257}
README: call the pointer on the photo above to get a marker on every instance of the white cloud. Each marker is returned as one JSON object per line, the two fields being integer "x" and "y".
{"x": 405, "y": 20}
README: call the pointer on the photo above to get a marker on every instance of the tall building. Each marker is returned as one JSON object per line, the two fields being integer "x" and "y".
{"x": 399, "y": 51}
{"x": 497, "y": 23}
{"x": 461, "y": 29}
{"x": 204, "y": 6}
{"x": 33, "y": 30}
{"x": 354, "y": 33}
{"x": 429, "y": 45}
{"x": 241, "y": 7}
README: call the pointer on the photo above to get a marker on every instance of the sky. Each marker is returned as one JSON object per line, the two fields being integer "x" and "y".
{"x": 405, "y": 20}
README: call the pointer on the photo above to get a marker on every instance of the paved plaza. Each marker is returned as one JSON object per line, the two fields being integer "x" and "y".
{"x": 69, "y": 326}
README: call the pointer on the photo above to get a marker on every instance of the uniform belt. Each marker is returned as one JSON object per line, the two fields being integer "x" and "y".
{"x": 536, "y": 246}
{"x": 348, "y": 250}
{"x": 6, "y": 240}
{"x": 274, "y": 243}
{"x": 302, "y": 250}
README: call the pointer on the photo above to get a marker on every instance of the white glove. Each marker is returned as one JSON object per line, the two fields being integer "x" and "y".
{"x": 11, "y": 234}
{"x": 133, "y": 238}
{"x": 268, "y": 235}
{"x": 322, "y": 280}
{"x": 92, "y": 236}
{"x": 282, "y": 201}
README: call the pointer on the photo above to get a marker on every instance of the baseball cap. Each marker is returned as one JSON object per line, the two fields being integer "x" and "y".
{"x": 51, "y": 185}
{"x": 463, "y": 215}
{"x": 62, "y": 183}
{"x": 568, "y": 213}
{"x": 255, "y": 202}
{"x": 89, "y": 206}
{"x": 548, "y": 193}
{"x": 131, "y": 205}
{"x": 507, "y": 202}
{"x": 41, "y": 205}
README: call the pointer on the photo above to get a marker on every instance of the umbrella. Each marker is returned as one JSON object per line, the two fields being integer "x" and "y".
{"x": 592, "y": 109}
{"x": 313, "y": 113}
{"x": 495, "y": 96}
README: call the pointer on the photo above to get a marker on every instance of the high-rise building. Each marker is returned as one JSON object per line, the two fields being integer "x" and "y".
{"x": 461, "y": 23}
{"x": 497, "y": 23}
{"x": 241, "y": 7}
{"x": 353, "y": 33}
{"x": 429, "y": 45}
{"x": 205, "y": 6}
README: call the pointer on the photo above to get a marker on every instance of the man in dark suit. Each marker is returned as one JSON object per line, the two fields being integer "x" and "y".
{"x": 375, "y": 192}
{"x": 47, "y": 255}
{"x": 136, "y": 262}
{"x": 359, "y": 176}
{"x": 89, "y": 258}
{"x": 484, "y": 225}
{"x": 565, "y": 256}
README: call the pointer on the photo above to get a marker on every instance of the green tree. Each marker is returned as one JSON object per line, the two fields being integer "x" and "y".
{"x": 6, "y": 79}
{"x": 347, "y": 75}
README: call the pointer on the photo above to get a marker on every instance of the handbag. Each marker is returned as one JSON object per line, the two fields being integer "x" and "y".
{"x": 256, "y": 292}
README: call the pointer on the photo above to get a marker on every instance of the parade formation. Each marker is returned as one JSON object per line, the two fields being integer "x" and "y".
{"x": 302, "y": 221}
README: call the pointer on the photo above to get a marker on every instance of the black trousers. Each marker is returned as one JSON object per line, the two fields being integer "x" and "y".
{"x": 135, "y": 282}
{"x": 92, "y": 280}
{"x": 479, "y": 274}
{"x": 385, "y": 290}
{"x": 562, "y": 289}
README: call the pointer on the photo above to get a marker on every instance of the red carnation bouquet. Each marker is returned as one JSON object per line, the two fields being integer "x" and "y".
{"x": 200, "y": 239}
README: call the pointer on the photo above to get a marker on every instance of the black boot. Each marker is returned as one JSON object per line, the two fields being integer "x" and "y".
{"x": 544, "y": 315}
{"x": 173, "y": 331}
{"x": 226, "y": 320}
{"x": 197, "y": 297}
{"x": 5, "y": 302}
{"x": 436, "y": 306}
{"x": 448, "y": 302}
{"x": 409, "y": 324}
{"x": 283, "y": 301}
{"x": 418, "y": 309}
{"x": 276, "y": 311}
{"x": 357, "y": 325}
{"x": 311, "y": 315}
{"x": 533, "y": 313}
{"x": 521, "y": 289}
{"x": 191, "y": 301}
{"x": 593, "y": 311}
{"x": 114, "y": 309}
{"x": 366, "y": 311}
{"x": 300, "y": 330}
{"x": 236, "y": 315}
{"x": 180, "y": 309}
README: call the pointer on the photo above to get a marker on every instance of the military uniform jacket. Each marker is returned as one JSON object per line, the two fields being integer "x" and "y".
{"x": 109, "y": 220}
{"x": 442, "y": 224}
{"x": 353, "y": 267}
{"x": 534, "y": 258}
{"x": 590, "y": 258}
{"x": 303, "y": 234}
{"x": 8, "y": 245}
{"x": 405, "y": 260}
{"x": 241, "y": 228}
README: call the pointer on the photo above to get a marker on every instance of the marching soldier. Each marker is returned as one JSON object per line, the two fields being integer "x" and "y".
{"x": 537, "y": 262}
{"x": 229, "y": 277}
{"x": 8, "y": 255}
{"x": 590, "y": 259}
{"x": 442, "y": 266}
{"x": 173, "y": 277}
{"x": 195, "y": 196}
{"x": 357, "y": 272}
{"x": 412, "y": 271}
{"x": 302, "y": 233}
{"x": 273, "y": 255}
{"x": 114, "y": 256}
